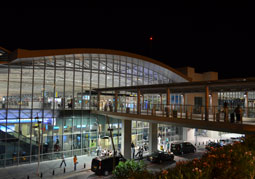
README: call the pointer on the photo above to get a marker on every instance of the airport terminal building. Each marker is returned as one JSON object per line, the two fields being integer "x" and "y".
{"x": 47, "y": 98}
{"x": 55, "y": 87}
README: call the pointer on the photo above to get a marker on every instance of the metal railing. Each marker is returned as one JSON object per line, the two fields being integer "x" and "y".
{"x": 211, "y": 113}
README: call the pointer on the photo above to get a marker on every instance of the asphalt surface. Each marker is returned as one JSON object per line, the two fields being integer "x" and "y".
{"x": 153, "y": 167}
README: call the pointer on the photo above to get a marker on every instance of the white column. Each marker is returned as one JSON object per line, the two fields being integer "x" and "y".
{"x": 246, "y": 103}
{"x": 206, "y": 103}
{"x": 153, "y": 137}
{"x": 126, "y": 138}
{"x": 190, "y": 134}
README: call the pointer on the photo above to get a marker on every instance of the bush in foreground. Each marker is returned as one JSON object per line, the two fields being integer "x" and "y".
{"x": 128, "y": 169}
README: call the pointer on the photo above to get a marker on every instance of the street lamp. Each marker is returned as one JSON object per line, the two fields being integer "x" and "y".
{"x": 39, "y": 142}
{"x": 111, "y": 130}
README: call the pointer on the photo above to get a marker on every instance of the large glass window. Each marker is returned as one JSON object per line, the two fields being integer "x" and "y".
{"x": 54, "y": 89}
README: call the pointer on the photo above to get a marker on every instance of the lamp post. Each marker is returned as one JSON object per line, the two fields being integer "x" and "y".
{"x": 111, "y": 130}
{"x": 39, "y": 143}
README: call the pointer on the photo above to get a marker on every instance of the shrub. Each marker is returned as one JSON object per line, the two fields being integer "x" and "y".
{"x": 128, "y": 168}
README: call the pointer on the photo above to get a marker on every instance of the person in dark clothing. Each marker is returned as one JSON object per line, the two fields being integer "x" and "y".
{"x": 63, "y": 160}
{"x": 133, "y": 149}
{"x": 238, "y": 111}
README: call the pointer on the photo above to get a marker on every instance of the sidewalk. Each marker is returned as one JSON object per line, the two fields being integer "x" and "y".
{"x": 46, "y": 168}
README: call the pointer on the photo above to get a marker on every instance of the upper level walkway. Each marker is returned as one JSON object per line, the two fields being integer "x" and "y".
{"x": 203, "y": 117}
{"x": 187, "y": 116}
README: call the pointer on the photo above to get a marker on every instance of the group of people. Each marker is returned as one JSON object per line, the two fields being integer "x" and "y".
{"x": 104, "y": 152}
{"x": 108, "y": 104}
{"x": 237, "y": 113}
{"x": 75, "y": 161}
{"x": 141, "y": 149}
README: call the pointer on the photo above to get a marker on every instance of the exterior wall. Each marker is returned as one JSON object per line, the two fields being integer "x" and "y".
{"x": 190, "y": 73}
{"x": 207, "y": 76}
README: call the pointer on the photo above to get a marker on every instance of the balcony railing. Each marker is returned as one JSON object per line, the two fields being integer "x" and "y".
{"x": 211, "y": 113}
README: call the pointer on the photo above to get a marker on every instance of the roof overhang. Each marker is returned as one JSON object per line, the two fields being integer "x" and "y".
{"x": 22, "y": 53}
{"x": 243, "y": 84}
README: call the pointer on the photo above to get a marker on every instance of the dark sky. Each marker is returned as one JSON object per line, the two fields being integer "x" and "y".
{"x": 208, "y": 37}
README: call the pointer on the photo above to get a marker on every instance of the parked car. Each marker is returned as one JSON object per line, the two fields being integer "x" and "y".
{"x": 160, "y": 156}
{"x": 104, "y": 165}
{"x": 225, "y": 142}
{"x": 212, "y": 145}
{"x": 180, "y": 148}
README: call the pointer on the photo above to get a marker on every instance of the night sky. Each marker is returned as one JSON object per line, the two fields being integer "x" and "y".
{"x": 216, "y": 39}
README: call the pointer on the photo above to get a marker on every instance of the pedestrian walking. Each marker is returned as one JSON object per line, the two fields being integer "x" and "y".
{"x": 133, "y": 149}
{"x": 63, "y": 161}
{"x": 75, "y": 161}
{"x": 168, "y": 146}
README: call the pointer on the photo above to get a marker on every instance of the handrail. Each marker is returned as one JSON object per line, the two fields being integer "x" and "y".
{"x": 213, "y": 113}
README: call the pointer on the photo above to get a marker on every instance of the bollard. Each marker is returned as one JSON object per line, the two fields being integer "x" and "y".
{"x": 198, "y": 143}
{"x": 84, "y": 165}
{"x": 53, "y": 172}
{"x": 28, "y": 177}
{"x": 65, "y": 170}
{"x": 41, "y": 175}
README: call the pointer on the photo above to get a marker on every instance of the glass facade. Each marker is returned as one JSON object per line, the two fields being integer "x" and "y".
{"x": 58, "y": 92}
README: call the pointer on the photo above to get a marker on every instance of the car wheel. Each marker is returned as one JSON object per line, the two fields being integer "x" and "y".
{"x": 106, "y": 173}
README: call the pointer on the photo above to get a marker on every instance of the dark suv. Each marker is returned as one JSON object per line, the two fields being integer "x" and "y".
{"x": 104, "y": 165}
{"x": 180, "y": 148}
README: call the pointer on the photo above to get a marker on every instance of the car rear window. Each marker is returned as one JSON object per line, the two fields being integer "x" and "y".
{"x": 95, "y": 162}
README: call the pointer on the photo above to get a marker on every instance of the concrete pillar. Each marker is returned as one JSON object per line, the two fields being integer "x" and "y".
{"x": 153, "y": 137}
{"x": 184, "y": 133}
{"x": 183, "y": 102}
{"x": 98, "y": 100}
{"x": 246, "y": 104}
{"x": 126, "y": 138}
{"x": 143, "y": 101}
{"x": 138, "y": 101}
{"x": 183, "y": 99}
{"x": 168, "y": 96}
{"x": 206, "y": 103}
{"x": 167, "y": 102}
{"x": 190, "y": 134}
{"x": 116, "y": 101}
{"x": 161, "y": 103}
{"x": 210, "y": 100}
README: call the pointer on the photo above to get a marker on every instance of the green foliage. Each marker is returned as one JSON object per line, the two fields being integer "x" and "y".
{"x": 128, "y": 168}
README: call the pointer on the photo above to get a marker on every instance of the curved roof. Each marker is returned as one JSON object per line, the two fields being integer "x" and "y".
{"x": 5, "y": 50}
{"x": 22, "y": 53}
{"x": 4, "y": 53}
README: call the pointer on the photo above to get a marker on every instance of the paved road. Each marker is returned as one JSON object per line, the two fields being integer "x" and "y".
{"x": 22, "y": 171}
{"x": 154, "y": 167}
